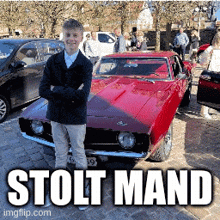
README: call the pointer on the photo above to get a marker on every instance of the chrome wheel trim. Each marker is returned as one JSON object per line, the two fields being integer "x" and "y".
{"x": 3, "y": 108}
{"x": 168, "y": 142}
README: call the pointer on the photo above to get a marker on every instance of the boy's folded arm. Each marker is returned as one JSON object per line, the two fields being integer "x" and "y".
{"x": 67, "y": 93}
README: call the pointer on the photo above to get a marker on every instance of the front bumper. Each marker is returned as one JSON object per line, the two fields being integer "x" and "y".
{"x": 126, "y": 154}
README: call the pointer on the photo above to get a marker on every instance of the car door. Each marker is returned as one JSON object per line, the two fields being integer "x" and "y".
{"x": 23, "y": 83}
{"x": 177, "y": 70}
{"x": 209, "y": 89}
{"x": 107, "y": 43}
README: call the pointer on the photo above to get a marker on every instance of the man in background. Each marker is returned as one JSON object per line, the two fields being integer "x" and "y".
{"x": 180, "y": 43}
{"x": 120, "y": 44}
{"x": 93, "y": 49}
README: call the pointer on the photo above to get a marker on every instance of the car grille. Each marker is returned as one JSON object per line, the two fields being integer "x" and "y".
{"x": 96, "y": 139}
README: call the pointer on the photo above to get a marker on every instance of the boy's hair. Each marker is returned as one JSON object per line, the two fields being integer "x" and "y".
{"x": 73, "y": 24}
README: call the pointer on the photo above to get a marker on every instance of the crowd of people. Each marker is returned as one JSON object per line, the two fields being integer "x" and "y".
{"x": 135, "y": 41}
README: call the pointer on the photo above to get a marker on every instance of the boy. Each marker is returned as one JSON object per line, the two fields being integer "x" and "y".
{"x": 66, "y": 85}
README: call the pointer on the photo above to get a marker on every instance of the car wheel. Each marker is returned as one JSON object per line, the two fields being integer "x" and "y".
{"x": 163, "y": 152}
{"x": 187, "y": 97}
{"x": 4, "y": 108}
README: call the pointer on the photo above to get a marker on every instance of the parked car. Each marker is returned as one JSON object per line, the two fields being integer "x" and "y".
{"x": 133, "y": 100}
{"x": 106, "y": 39}
{"x": 21, "y": 67}
{"x": 208, "y": 93}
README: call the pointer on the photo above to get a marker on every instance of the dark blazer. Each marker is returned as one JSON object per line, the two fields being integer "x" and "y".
{"x": 61, "y": 87}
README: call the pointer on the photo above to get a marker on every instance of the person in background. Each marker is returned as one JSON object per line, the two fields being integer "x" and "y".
{"x": 93, "y": 49}
{"x": 180, "y": 43}
{"x": 134, "y": 38}
{"x": 120, "y": 44}
{"x": 66, "y": 84}
{"x": 127, "y": 40}
{"x": 141, "y": 41}
{"x": 194, "y": 45}
{"x": 210, "y": 60}
{"x": 84, "y": 43}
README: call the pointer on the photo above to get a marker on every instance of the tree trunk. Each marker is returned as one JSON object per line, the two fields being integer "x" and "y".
{"x": 157, "y": 46}
{"x": 9, "y": 31}
{"x": 52, "y": 30}
{"x": 168, "y": 36}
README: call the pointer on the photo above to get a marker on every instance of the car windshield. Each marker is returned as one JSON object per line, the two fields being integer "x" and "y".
{"x": 6, "y": 49}
{"x": 151, "y": 68}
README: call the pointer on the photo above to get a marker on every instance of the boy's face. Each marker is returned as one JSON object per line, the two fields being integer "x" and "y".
{"x": 72, "y": 39}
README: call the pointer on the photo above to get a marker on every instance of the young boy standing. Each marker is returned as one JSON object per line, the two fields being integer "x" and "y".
{"x": 66, "y": 85}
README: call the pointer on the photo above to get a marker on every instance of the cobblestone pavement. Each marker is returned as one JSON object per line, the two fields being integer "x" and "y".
{"x": 196, "y": 145}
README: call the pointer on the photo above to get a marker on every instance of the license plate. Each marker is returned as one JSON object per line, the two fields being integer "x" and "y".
{"x": 91, "y": 161}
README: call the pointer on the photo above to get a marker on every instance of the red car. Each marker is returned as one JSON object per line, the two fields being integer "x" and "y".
{"x": 134, "y": 98}
{"x": 208, "y": 93}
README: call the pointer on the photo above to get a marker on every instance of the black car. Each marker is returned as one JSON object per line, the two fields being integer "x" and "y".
{"x": 21, "y": 67}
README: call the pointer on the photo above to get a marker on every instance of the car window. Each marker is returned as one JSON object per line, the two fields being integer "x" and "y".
{"x": 151, "y": 68}
{"x": 176, "y": 66}
{"x": 6, "y": 49}
{"x": 104, "y": 38}
{"x": 47, "y": 48}
{"x": 27, "y": 53}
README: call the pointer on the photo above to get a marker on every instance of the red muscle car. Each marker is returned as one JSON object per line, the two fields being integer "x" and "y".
{"x": 133, "y": 100}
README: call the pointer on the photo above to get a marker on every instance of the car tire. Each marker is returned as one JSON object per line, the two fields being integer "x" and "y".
{"x": 163, "y": 152}
{"x": 187, "y": 97}
{"x": 4, "y": 108}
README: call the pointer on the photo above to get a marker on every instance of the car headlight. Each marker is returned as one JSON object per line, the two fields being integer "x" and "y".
{"x": 37, "y": 127}
{"x": 126, "y": 140}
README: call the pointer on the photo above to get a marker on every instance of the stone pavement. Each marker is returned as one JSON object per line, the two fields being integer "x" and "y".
{"x": 196, "y": 145}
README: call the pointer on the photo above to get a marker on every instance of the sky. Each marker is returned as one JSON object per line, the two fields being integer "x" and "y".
{"x": 217, "y": 14}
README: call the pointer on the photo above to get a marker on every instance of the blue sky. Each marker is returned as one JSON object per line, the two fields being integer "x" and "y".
{"x": 217, "y": 14}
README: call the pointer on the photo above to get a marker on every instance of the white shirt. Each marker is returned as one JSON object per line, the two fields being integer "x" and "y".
{"x": 214, "y": 63}
{"x": 69, "y": 60}
{"x": 93, "y": 48}
{"x": 210, "y": 58}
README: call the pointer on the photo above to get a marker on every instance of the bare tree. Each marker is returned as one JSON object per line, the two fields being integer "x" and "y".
{"x": 125, "y": 11}
{"x": 11, "y": 14}
{"x": 170, "y": 12}
{"x": 48, "y": 14}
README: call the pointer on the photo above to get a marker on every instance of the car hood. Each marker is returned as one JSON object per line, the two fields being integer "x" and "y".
{"x": 122, "y": 96}
{"x": 114, "y": 103}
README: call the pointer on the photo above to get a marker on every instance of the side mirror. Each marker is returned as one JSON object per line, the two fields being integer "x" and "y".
{"x": 19, "y": 64}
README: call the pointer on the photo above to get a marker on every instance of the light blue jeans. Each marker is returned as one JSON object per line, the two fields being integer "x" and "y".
{"x": 75, "y": 135}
